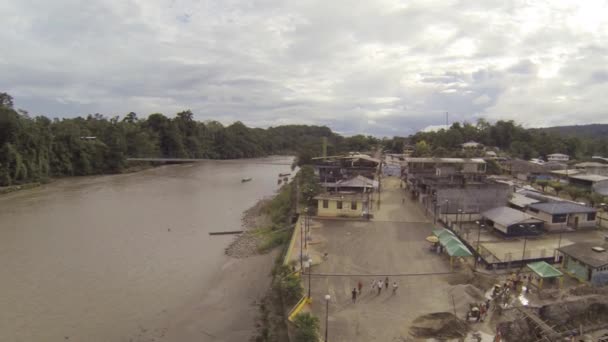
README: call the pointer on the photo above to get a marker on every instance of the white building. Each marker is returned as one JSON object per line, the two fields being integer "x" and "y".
{"x": 471, "y": 145}
{"x": 558, "y": 157}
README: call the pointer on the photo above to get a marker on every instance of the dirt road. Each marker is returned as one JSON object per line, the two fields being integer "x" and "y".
{"x": 391, "y": 244}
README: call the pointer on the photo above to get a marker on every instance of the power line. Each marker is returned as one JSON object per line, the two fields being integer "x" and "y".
{"x": 381, "y": 275}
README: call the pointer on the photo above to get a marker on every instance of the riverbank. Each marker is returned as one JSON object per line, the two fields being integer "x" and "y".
{"x": 26, "y": 186}
{"x": 8, "y": 189}
{"x": 248, "y": 244}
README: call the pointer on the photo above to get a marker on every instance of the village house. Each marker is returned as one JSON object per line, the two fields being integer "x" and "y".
{"x": 510, "y": 222}
{"x": 343, "y": 204}
{"x": 558, "y": 157}
{"x": 527, "y": 171}
{"x": 451, "y": 186}
{"x": 595, "y": 183}
{"x": 592, "y": 168}
{"x": 355, "y": 184}
{"x": 335, "y": 168}
{"x": 587, "y": 262}
{"x": 563, "y": 215}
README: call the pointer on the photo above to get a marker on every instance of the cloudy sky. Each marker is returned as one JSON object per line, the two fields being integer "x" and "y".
{"x": 383, "y": 67}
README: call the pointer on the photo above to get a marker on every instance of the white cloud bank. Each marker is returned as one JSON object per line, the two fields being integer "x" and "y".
{"x": 381, "y": 67}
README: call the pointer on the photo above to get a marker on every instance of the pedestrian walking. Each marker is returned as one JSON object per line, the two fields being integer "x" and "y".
{"x": 354, "y": 294}
{"x": 373, "y": 285}
{"x": 395, "y": 286}
{"x": 359, "y": 286}
{"x": 380, "y": 286}
{"x": 386, "y": 282}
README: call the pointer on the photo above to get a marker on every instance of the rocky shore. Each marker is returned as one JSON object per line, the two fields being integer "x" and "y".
{"x": 247, "y": 244}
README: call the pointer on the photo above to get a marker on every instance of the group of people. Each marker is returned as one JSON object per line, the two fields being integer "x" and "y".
{"x": 376, "y": 285}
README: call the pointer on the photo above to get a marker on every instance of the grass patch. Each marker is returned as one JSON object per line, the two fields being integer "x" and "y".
{"x": 270, "y": 238}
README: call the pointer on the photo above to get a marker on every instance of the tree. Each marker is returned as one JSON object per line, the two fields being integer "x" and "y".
{"x": 422, "y": 149}
{"x": 575, "y": 192}
{"x": 542, "y": 183}
{"x": 557, "y": 187}
{"x": 594, "y": 198}
{"x": 6, "y": 100}
{"x": 307, "y": 327}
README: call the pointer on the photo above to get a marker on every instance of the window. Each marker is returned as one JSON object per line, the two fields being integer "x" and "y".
{"x": 591, "y": 217}
{"x": 325, "y": 204}
{"x": 353, "y": 205}
{"x": 339, "y": 205}
{"x": 560, "y": 218}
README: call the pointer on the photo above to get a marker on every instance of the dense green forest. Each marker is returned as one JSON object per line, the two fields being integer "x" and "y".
{"x": 36, "y": 148}
{"x": 582, "y": 131}
{"x": 507, "y": 137}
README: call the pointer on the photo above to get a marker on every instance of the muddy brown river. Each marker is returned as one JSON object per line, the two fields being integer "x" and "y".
{"x": 106, "y": 258}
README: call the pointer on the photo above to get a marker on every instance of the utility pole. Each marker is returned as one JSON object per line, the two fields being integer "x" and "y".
{"x": 447, "y": 125}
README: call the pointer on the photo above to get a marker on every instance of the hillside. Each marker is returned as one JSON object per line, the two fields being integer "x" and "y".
{"x": 586, "y": 131}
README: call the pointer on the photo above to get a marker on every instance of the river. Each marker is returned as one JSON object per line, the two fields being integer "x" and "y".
{"x": 115, "y": 258}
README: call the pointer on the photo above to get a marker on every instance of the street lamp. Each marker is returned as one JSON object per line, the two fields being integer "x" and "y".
{"x": 327, "y": 298}
{"x": 478, "y": 238}
{"x": 301, "y": 246}
{"x": 447, "y": 207}
{"x": 306, "y": 228}
{"x": 309, "y": 266}
{"x": 523, "y": 255}
{"x": 459, "y": 220}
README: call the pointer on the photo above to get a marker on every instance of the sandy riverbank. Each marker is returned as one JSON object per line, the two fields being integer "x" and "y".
{"x": 228, "y": 312}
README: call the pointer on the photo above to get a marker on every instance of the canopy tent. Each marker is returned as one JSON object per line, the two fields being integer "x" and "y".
{"x": 458, "y": 250}
{"x": 439, "y": 232}
{"x": 446, "y": 239}
{"x": 453, "y": 246}
{"x": 544, "y": 270}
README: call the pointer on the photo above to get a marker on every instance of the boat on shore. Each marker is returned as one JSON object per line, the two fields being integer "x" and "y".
{"x": 246, "y": 180}
{"x": 284, "y": 174}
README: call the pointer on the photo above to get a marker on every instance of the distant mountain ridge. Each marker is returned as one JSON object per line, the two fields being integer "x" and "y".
{"x": 588, "y": 131}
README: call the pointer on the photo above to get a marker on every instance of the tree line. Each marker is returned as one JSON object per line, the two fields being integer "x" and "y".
{"x": 504, "y": 136}
{"x": 36, "y": 148}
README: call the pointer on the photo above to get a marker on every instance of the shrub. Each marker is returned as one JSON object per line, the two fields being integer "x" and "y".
{"x": 307, "y": 326}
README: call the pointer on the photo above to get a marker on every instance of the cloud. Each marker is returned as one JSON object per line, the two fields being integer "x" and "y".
{"x": 385, "y": 67}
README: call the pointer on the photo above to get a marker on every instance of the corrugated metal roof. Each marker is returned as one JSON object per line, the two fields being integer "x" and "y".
{"x": 446, "y": 160}
{"x": 566, "y": 172}
{"x": 562, "y": 208}
{"x": 583, "y": 252}
{"x": 591, "y": 178}
{"x": 590, "y": 164}
{"x": 544, "y": 270}
{"x": 521, "y": 200}
{"x": 506, "y": 216}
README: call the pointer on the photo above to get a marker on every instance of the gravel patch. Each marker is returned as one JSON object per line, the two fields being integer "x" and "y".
{"x": 246, "y": 244}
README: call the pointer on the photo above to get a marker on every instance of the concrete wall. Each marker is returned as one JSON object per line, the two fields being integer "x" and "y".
{"x": 601, "y": 187}
{"x": 599, "y": 277}
{"x": 602, "y": 171}
{"x": 333, "y": 211}
{"x": 549, "y": 225}
{"x": 472, "y": 198}
{"x": 602, "y": 219}
{"x": 576, "y": 268}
